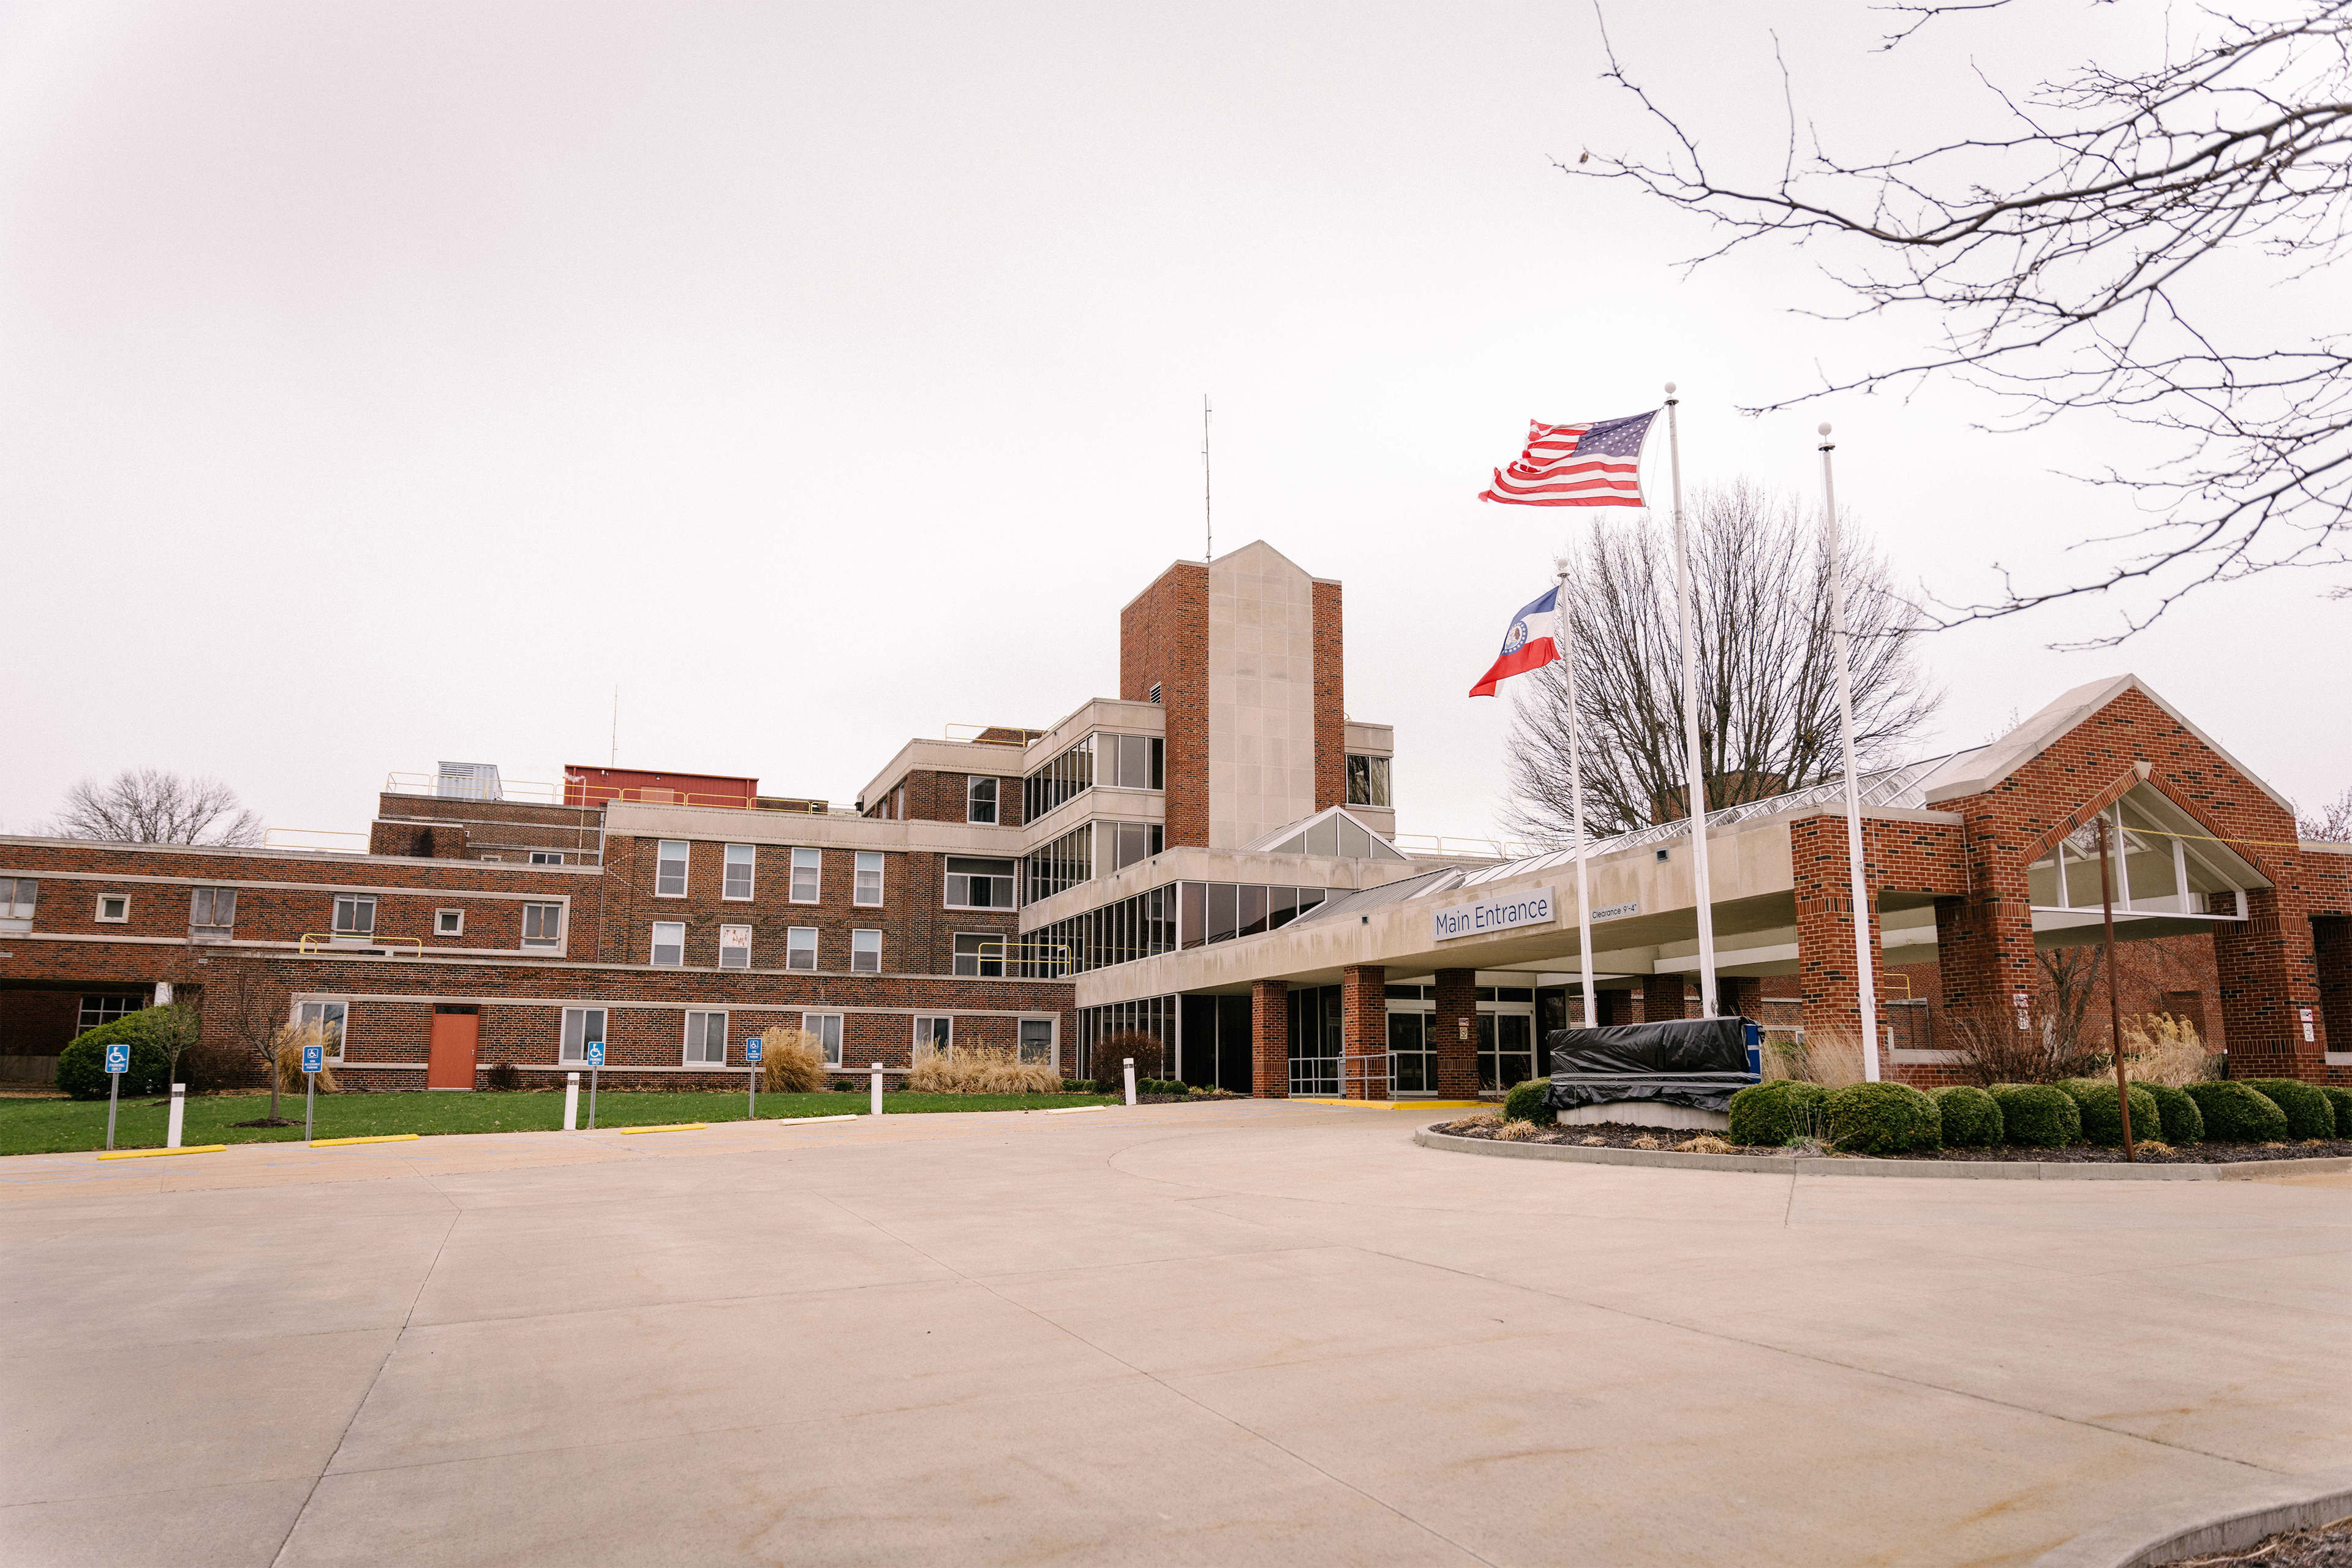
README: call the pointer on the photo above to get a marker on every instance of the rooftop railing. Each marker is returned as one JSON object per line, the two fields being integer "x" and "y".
{"x": 530, "y": 792}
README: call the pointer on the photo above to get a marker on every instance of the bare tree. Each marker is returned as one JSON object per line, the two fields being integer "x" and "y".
{"x": 1766, "y": 685}
{"x": 2054, "y": 254}
{"x": 249, "y": 1011}
{"x": 148, "y": 805}
{"x": 2331, "y": 824}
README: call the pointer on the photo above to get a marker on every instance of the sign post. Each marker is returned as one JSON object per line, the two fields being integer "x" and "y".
{"x": 118, "y": 1062}
{"x": 595, "y": 1061}
{"x": 313, "y": 1059}
{"x": 752, "y": 1052}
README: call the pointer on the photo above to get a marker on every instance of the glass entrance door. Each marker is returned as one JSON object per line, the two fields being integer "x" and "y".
{"x": 1413, "y": 1066}
{"x": 1507, "y": 1054}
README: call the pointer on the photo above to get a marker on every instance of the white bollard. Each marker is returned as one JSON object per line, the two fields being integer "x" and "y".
{"x": 571, "y": 1102}
{"x": 877, "y": 1088}
{"x": 1131, "y": 1079}
{"x": 179, "y": 1115}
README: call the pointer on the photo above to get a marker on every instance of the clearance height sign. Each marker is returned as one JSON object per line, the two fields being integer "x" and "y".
{"x": 1491, "y": 917}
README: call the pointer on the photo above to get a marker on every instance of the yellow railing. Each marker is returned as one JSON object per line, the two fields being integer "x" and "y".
{"x": 327, "y": 941}
{"x": 282, "y": 838}
{"x": 1043, "y": 959}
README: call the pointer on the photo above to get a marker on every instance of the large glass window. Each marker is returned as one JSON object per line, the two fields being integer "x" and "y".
{"x": 669, "y": 869}
{"x": 1219, "y": 911}
{"x": 742, "y": 863}
{"x": 1063, "y": 864}
{"x": 1413, "y": 1066}
{"x": 1037, "y": 1041}
{"x": 934, "y": 1036}
{"x": 1506, "y": 1049}
{"x": 980, "y": 800}
{"x": 1134, "y": 927}
{"x": 981, "y": 954}
{"x": 1367, "y": 781}
{"x": 867, "y": 892}
{"x": 1065, "y": 778}
{"x": 826, "y": 1027}
{"x": 976, "y": 884}
{"x": 583, "y": 1026}
{"x": 808, "y": 875}
{"x": 706, "y": 1039}
{"x": 668, "y": 943}
{"x": 329, "y": 1017}
{"x": 1131, "y": 762}
{"x": 1122, "y": 843}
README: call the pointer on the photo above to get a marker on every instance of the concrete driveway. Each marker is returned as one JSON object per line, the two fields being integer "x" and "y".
{"x": 1253, "y": 1332}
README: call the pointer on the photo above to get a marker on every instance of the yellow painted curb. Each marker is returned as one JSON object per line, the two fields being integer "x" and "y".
{"x": 347, "y": 1143}
{"x": 1391, "y": 1104}
{"x": 152, "y": 1154}
{"x": 672, "y": 1127}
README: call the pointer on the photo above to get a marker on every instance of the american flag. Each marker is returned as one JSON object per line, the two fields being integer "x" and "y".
{"x": 1598, "y": 463}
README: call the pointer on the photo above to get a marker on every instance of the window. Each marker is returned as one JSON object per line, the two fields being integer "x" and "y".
{"x": 866, "y": 952}
{"x": 868, "y": 888}
{"x": 113, "y": 909}
{"x": 543, "y": 925}
{"x": 547, "y": 856}
{"x": 1367, "y": 781}
{"x": 826, "y": 1027}
{"x": 97, "y": 1010}
{"x": 808, "y": 875}
{"x": 670, "y": 942}
{"x": 1063, "y": 864}
{"x": 669, "y": 869}
{"x": 448, "y": 922}
{"x": 706, "y": 1039}
{"x": 934, "y": 1036}
{"x": 1131, "y": 762}
{"x": 1125, "y": 843}
{"x": 1065, "y": 778}
{"x": 734, "y": 947}
{"x": 800, "y": 948}
{"x": 980, "y": 952}
{"x": 742, "y": 860}
{"x": 583, "y": 1026}
{"x": 980, "y": 800}
{"x": 212, "y": 908}
{"x": 329, "y": 1017}
{"x": 17, "y": 896}
{"x": 979, "y": 884}
{"x": 354, "y": 916}
{"x": 1037, "y": 1040}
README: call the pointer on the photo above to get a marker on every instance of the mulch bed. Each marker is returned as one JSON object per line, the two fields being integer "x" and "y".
{"x": 2327, "y": 1546}
{"x": 1628, "y": 1135}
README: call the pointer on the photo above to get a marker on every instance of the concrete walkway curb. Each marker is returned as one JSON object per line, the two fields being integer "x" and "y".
{"x": 2197, "y": 1527}
{"x": 1817, "y": 1165}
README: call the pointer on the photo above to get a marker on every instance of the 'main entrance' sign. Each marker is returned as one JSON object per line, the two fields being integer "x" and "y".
{"x": 1508, "y": 913}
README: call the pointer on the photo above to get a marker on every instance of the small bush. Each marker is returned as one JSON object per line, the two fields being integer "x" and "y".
{"x": 1077, "y": 1086}
{"x": 1169, "y": 1086}
{"x": 504, "y": 1076}
{"x": 82, "y": 1066}
{"x": 2309, "y": 1113}
{"x": 288, "y": 1050}
{"x": 1108, "y": 1057}
{"x": 981, "y": 1070}
{"x": 1767, "y": 1115}
{"x": 210, "y": 1066}
{"x": 1971, "y": 1117}
{"x": 2103, "y": 1124}
{"x": 1525, "y": 1103}
{"x": 2341, "y": 1098}
{"x": 791, "y": 1061}
{"x": 2036, "y": 1115}
{"x": 2183, "y": 1122}
{"x": 2236, "y": 1112}
{"x": 1882, "y": 1119}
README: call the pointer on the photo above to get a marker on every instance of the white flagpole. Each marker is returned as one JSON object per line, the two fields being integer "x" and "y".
{"x": 1865, "y": 968}
{"x": 1701, "y": 894}
{"x": 1576, "y": 804}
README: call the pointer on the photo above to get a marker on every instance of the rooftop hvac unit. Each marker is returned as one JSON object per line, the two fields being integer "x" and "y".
{"x": 469, "y": 781}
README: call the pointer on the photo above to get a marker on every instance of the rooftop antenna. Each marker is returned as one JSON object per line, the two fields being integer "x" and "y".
{"x": 614, "y": 761}
{"x": 1208, "y": 516}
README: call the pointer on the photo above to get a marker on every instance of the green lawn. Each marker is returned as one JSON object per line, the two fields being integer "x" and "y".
{"x": 61, "y": 1126}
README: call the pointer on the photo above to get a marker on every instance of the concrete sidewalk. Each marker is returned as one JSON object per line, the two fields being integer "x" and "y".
{"x": 1209, "y": 1334}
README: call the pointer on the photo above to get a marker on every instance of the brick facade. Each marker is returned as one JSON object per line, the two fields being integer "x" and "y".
{"x": 1163, "y": 641}
{"x": 1270, "y": 1039}
{"x": 1331, "y": 699}
{"x": 1363, "y": 1031}
{"x": 1453, "y": 1029}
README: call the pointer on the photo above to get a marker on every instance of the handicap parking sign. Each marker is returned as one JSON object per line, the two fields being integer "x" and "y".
{"x": 751, "y": 1049}
{"x": 118, "y": 1058}
{"x": 314, "y": 1058}
{"x": 595, "y": 1053}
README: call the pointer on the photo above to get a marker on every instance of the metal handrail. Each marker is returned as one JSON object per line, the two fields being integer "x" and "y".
{"x": 327, "y": 938}
{"x": 1006, "y": 951}
{"x": 979, "y": 733}
{"x": 527, "y": 791}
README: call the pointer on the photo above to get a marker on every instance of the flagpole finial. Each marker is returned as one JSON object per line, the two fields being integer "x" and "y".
{"x": 1670, "y": 392}
{"x": 1826, "y": 427}
{"x": 1826, "y": 443}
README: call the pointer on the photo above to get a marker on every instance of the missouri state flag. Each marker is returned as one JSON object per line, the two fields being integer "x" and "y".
{"x": 1528, "y": 645}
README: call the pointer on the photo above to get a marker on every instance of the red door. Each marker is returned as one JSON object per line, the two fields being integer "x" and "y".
{"x": 451, "y": 1065}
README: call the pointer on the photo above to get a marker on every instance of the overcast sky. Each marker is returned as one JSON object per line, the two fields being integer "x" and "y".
{"x": 388, "y": 383}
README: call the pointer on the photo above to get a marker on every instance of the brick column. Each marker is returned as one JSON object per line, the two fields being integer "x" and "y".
{"x": 1364, "y": 1031}
{"x": 1667, "y": 996}
{"x": 2268, "y": 972}
{"x": 1270, "y": 1039}
{"x": 1827, "y": 981}
{"x": 1618, "y": 1008}
{"x": 2331, "y": 949}
{"x": 1454, "y": 1034}
{"x": 1740, "y": 995}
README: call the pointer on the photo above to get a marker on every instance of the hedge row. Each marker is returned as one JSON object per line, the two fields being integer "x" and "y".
{"x": 1894, "y": 1118}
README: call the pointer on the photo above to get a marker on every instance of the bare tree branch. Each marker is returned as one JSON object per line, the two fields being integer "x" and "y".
{"x": 2052, "y": 257}
{"x": 148, "y": 805}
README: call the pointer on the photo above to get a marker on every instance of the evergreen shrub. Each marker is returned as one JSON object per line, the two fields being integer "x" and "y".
{"x": 2309, "y": 1113}
{"x": 2237, "y": 1112}
{"x": 2341, "y": 1098}
{"x": 1769, "y": 1114}
{"x": 1971, "y": 1117}
{"x": 2094, "y": 1098}
{"x": 82, "y": 1066}
{"x": 2036, "y": 1115}
{"x": 1882, "y": 1119}
{"x": 1525, "y": 1103}
{"x": 2183, "y": 1122}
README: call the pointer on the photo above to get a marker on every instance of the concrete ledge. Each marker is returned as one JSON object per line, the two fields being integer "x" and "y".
{"x": 1828, "y": 1165}
{"x": 2219, "y": 1522}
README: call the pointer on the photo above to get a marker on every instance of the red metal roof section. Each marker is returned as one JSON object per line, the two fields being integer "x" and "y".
{"x": 594, "y": 786}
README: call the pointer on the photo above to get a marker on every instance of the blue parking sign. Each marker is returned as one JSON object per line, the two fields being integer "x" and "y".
{"x": 751, "y": 1050}
{"x": 314, "y": 1058}
{"x": 595, "y": 1053}
{"x": 118, "y": 1058}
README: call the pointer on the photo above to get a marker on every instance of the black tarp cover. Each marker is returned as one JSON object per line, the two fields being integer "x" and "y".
{"x": 1698, "y": 1062}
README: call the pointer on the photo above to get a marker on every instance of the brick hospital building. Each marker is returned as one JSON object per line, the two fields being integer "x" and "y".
{"x": 1210, "y": 858}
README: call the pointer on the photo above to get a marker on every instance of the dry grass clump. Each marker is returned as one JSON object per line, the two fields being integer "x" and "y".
{"x": 1481, "y": 1120}
{"x": 2161, "y": 1049}
{"x": 981, "y": 1070}
{"x": 1518, "y": 1132}
{"x": 1705, "y": 1143}
{"x": 286, "y": 1048}
{"x": 791, "y": 1061}
{"x": 1828, "y": 1056}
{"x": 1603, "y": 1142}
{"x": 1646, "y": 1141}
